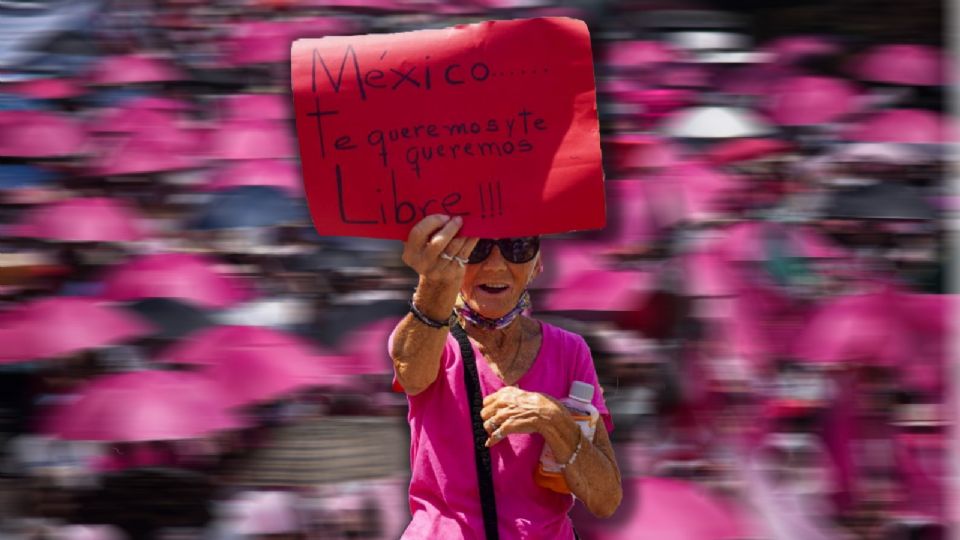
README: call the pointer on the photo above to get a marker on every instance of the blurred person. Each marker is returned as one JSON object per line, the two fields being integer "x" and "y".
{"x": 258, "y": 515}
{"x": 526, "y": 365}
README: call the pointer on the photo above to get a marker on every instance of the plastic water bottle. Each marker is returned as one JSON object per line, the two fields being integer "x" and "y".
{"x": 548, "y": 473}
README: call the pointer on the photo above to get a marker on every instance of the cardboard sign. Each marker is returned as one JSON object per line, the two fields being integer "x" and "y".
{"x": 495, "y": 122}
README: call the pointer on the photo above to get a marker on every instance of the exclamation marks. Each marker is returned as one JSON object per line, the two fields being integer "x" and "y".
{"x": 491, "y": 200}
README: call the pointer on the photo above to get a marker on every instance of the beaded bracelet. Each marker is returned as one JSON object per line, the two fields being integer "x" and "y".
{"x": 575, "y": 452}
{"x": 432, "y": 323}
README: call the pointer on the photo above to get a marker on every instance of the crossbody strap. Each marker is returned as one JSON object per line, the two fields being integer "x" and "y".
{"x": 481, "y": 453}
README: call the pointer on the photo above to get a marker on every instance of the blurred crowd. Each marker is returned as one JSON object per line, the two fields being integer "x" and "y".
{"x": 182, "y": 356}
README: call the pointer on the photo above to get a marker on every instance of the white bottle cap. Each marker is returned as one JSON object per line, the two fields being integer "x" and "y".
{"x": 581, "y": 391}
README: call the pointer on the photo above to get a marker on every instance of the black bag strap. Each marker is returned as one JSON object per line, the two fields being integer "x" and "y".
{"x": 481, "y": 453}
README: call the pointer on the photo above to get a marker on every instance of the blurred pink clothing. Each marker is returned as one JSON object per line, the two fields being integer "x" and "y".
{"x": 444, "y": 497}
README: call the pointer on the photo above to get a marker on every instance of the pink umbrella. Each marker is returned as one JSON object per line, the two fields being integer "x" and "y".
{"x": 134, "y": 69}
{"x": 707, "y": 273}
{"x": 144, "y": 153}
{"x": 255, "y": 107}
{"x": 928, "y": 316}
{"x": 563, "y": 259}
{"x": 756, "y": 79}
{"x": 158, "y": 103}
{"x": 127, "y": 119}
{"x": 207, "y": 347}
{"x": 632, "y": 216}
{"x": 144, "y": 406}
{"x": 792, "y": 49}
{"x": 266, "y": 42}
{"x": 864, "y": 328}
{"x": 363, "y": 5}
{"x": 253, "y": 363}
{"x": 903, "y": 126}
{"x": 366, "y": 347}
{"x": 657, "y": 103}
{"x": 60, "y": 326}
{"x": 668, "y": 509}
{"x": 175, "y": 275}
{"x": 46, "y": 89}
{"x": 807, "y": 101}
{"x": 922, "y": 460}
{"x": 765, "y": 323}
{"x": 684, "y": 76}
{"x": 738, "y": 150}
{"x": 39, "y": 134}
{"x": 914, "y": 65}
{"x": 267, "y": 172}
{"x": 706, "y": 193}
{"x": 91, "y": 219}
{"x": 631, "y": 152}
{"x": 252, "y": 140}
{"x": 253, "y": 375}
{"x": 628, "y": 55}
{"x": 746, "y": 242}
{"x": 602, "y": 291}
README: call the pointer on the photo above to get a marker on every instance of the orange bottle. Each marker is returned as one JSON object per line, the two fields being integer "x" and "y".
{"x": 549, "y": 473}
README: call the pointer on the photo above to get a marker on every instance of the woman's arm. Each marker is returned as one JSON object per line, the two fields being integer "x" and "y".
{"x": 594, "y": 477}
{"x": 417, "y": 347}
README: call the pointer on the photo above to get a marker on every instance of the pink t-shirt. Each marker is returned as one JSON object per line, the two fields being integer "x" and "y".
{"x": 444, "y": 497}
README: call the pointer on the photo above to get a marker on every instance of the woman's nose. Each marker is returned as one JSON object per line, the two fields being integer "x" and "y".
{"x": 495, "y": 260}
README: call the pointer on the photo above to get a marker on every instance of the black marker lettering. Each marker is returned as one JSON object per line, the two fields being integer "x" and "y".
{"x": 405, "y": 77}
{"x": 451, "y": 200}
{"x": 374, "y": 138}
{"x": 374, "y": 74}
{"x": 490, "y": 190}
{"x": 524, "y": 113}
{"x": 318, "y": 114}
{"x": 343, "y": 63}
{"x": 343, "y": 143}
{"x": 343, "y": 210}
{"x": 483, "y": 207}
{"x": 446, "y": 74}
{"x": 397, "y": 205}
{"x": 484, "y": 71}
{"x": 500, "y": 197}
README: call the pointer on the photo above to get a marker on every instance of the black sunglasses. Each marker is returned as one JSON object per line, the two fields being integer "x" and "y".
{"x": 515, "y": 250}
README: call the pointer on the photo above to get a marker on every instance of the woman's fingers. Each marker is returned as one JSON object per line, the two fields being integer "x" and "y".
{"x": 421, "y": 232}
{"x": 437, "y": 243}
{"x": 467, "y": 248}
{"x": 509, "y": 425}
{"x": 432, "y": 246}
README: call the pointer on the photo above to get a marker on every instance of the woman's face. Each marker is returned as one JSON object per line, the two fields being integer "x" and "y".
{"x": 493, "y": 287}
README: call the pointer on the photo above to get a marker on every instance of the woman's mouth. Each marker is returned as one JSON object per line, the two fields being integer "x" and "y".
{"x": 494, "y": 288}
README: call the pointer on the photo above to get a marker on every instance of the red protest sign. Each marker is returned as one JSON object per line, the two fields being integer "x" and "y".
{"x": 495, "y": 121}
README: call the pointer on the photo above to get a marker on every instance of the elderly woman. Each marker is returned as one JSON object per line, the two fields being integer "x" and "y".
{"x": 523, "y": 366}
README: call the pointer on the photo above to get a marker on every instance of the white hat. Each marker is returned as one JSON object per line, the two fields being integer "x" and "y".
{"x": 88, "y": 532}
{"x": 268, "y": 512}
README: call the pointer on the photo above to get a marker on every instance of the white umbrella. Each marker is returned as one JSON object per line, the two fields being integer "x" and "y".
{"x": 714, "y": 122}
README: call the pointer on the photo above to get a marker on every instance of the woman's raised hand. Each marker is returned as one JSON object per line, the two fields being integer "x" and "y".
{"x": 435, "y": 251}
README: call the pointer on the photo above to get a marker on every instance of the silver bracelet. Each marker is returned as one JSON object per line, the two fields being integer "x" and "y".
{"x": 575, "y": 452}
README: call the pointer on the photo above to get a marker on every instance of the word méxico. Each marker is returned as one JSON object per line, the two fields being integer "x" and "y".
{"x": 407, "y": 75}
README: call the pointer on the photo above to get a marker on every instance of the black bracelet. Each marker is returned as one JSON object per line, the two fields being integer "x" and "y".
{"x": 427, "y": 320}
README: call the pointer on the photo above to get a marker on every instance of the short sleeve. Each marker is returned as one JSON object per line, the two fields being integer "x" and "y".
{"x": 585, "y": 371}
